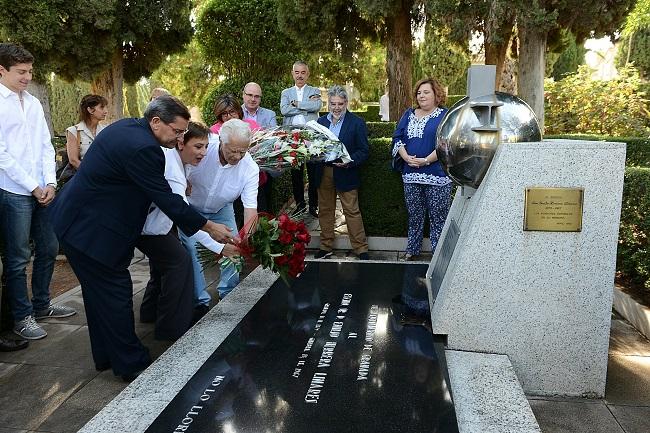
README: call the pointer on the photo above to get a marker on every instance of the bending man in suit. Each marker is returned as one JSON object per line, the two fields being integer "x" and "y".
{"x": 335, "y": 178}
{"x": 300, "y": 104}
{"x": 98, "y": 218}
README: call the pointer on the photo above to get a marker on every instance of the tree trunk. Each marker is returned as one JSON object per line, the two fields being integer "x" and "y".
{"x": 109, "y": 85}
{"x": 39, "y": 90}
{"x": 399, "y": 60}
{"x": 495, "y": 53}
{"x": 532, "y": 49}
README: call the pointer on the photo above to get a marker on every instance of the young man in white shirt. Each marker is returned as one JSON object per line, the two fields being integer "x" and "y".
{"x": 27, "y": 187}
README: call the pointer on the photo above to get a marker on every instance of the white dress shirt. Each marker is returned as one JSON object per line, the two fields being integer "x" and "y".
{"x": 299, "y": 119}
{"x": 157, "y": 222}
{"x": 27, "y": 157}
{"x": 215, "y": 185}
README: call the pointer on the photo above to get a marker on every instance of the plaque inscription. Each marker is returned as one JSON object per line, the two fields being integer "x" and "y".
{"x": 553, "y": 209}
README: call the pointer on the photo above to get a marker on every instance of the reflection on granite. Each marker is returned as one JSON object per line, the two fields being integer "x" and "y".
{"x": 346, "y": 348}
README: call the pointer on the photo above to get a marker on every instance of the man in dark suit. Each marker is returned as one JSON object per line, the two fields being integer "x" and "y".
{"x": 342, "y": 179}
{"x": 99, "y": 215}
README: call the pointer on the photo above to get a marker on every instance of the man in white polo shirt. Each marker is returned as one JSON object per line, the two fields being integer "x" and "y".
{"x": 226, "y": 173}
{"x": 27, "y": 187}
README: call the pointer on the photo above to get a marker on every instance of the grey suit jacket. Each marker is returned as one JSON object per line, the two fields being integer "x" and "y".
{"x": 265, "y": 117}
{"x": 307, "y": 107}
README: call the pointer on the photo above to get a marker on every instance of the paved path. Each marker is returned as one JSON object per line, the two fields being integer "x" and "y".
{"x": 53, "y": 386}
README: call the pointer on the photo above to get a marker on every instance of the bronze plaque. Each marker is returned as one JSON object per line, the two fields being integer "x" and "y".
{"x": 553, "y": 209}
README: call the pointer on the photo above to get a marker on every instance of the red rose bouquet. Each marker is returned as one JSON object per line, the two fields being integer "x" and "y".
{"x": 278, "y": 244}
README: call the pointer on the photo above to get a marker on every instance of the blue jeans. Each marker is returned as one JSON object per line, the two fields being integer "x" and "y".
{"x": 22, "y": 218}
{"x": 229, "y": 275}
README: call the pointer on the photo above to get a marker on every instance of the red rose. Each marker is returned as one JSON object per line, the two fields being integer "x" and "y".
{"x": 285, "y": 238}
{"x": 303, "y": 237}
{"x": 281, "y": 260}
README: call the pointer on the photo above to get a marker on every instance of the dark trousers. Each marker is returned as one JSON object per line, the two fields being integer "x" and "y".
{"x": 298, "y": 185}
{"x": 108, "y": 300}
{"x": 168, "y": 298}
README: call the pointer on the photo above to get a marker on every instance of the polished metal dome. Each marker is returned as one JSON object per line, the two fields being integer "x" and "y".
{"x": 470, "y": 133}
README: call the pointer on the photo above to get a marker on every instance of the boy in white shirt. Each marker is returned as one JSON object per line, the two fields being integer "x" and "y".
{"x": 27, "y": 187}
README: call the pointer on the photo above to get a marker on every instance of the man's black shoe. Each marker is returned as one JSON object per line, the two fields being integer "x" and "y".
{"x": 103, "y": 366}
{"x": 12, "y": 345}
{"x": 199, "y": 312}
{"x": 131, "y": 376}
{"x": 364, "y": 256}
{"x": 313, "y": 211}
{"x": 322, "y": 254}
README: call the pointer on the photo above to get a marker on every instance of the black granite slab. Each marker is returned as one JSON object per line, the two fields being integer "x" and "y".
{"x": 346, "y": 348}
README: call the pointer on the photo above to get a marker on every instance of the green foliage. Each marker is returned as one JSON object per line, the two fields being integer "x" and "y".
{"x": 580, "y": 104}
{"x": 441, "y": 59}
{"x": 186, "y": 75}
{"x": 452, "y": 99}
{"x": 271, "y": 92}
{"x": 366, "y": 68}
{"x": 241, "y": 37}
{"x": 335, "y": 27}
{"x": 381, "y": 195}
{"x": 64, "y": 102}
{"x": 637, "y": 152}
{"x": 638, "y": 51}
{"x": 380, "y": 129}
{"x": 638, "y": 19}
{"x": 568, "y": 60}
{"x": 633, "y": 255}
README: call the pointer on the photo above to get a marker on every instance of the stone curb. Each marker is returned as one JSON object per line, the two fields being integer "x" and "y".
{"x": 638, "y": 315}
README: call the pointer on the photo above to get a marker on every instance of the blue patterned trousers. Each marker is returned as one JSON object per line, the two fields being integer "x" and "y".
{"x": 421, "y": 198}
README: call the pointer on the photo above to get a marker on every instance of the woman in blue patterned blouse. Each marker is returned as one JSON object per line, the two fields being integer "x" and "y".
{"x": 426, "y": 186}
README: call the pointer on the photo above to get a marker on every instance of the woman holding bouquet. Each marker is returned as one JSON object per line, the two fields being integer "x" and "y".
{"x": 426, "y": 186}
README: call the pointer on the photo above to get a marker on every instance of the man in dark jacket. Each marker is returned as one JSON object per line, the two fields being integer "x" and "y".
{"x": 342, "y": 179}
{"x": 99, "y": 216}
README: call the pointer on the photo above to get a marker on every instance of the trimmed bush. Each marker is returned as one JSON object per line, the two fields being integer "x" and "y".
{"x": 380, "y": 129}
{"x": 381, "y": 195}
{"x": 638, "y": 149}
{"x": 633, "y": 255}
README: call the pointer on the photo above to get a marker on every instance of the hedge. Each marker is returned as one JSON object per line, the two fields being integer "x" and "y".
{"x": 380, "y": 129}
{"x": 633, "y": 256}
{"x": 638, "y": 149}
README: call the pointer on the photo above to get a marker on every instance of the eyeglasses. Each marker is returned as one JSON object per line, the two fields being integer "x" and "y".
{"x": 178, "y": 132}
{"x": 250, "y": 95}
{"x": 230, "y": 113}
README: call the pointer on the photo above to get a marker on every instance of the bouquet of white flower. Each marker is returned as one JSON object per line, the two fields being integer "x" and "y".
{"x": 286, "y": 146}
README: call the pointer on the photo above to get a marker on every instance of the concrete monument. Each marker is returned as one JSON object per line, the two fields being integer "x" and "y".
{"x": 525, "y": 266}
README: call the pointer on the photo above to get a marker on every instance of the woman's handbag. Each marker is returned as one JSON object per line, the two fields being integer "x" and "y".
{"x": 397, "y": 163}
{"x": 69, "y": 170}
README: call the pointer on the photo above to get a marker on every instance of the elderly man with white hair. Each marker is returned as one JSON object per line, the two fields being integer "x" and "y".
{"x": 225, "y": 173}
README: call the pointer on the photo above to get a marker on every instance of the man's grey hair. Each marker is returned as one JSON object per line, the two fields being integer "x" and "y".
{"x": 167, "y": 108}
{"x": 300, "y": 63}
{"x": 337, "y": 90}
{"x": 235, "y": 128}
